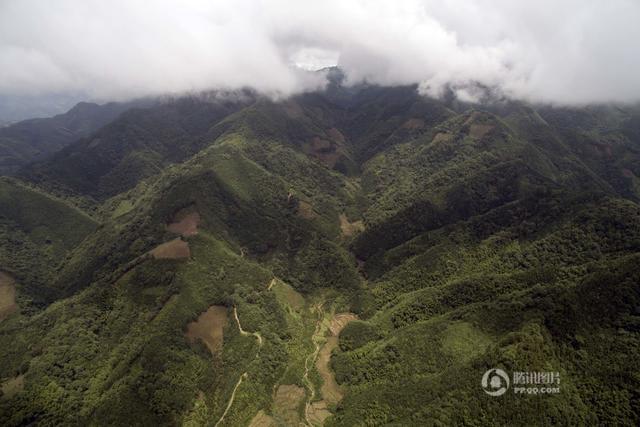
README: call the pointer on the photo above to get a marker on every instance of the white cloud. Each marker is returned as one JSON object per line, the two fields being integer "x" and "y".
{"x": 567, "y": 51}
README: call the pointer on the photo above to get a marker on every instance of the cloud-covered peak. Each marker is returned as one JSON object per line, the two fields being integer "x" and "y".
{"x": 552, "y": 51}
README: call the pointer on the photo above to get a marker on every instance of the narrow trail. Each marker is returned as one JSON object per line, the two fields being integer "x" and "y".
{"x": 245, "y": 374}
{"x": 310, "y": 360}
{"x": 233, "y": 396}
{"x": 243, "y": 332}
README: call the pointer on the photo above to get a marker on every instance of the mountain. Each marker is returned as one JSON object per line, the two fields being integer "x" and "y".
{"x": 137, "y": 145}
{"x": 358, "y": 256}
{"x": 15, "y": 108}
{"x": 34, "y": 139}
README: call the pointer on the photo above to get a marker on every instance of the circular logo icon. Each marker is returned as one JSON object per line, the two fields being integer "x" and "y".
{"x": 495, "y": 382}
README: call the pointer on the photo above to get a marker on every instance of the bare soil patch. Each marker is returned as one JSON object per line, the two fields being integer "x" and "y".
{"x": 305, "y": 210}
{"x": 336, "y": 135}
{"x": 414, "y": 123}
{"x": 286, "y": 404}
{"x": 325, "y": 151}
{"x": 339, "y": 321}
{"x": 7, "y": 296}
{"x": 477, "y": 131}
{"x": 350, "y": 228}
{"x": 12, "y": 386}
{"x": 209, "y": 328}
{"x": 185, "y": 223}
{"x": 330, "y": 390}
{"x": 173, "y": 249}
{"x": 293, "y": 109}
{"x": 262, "y": 420}
{"x": 471, "y": 118}
{"x": 318, "y": 412}
{"x": 441, "y": 137}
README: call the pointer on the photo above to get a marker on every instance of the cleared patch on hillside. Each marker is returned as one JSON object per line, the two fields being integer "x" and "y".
{"x": 185, "y": 223}
{"x": 336, "y": 135}
{"x": 12, "y": 386}
{"x": 7, "y": 296}
{"x": 477, "y": 130}
{"x": 124, "y": 207}
{"x": 174, "y": 249}
{"x": 464, "y": 341}
{"x": 209, "y": 328}
{"x": 318, "y": 412}
{"x": 293, "y": 109}
{"x": 349, "y": 228}
{"x": 339, "y": 321}
{"x": 441, "y": 137}
{"x": 262, "y": 420}
{"x": 414, "y": 123}
{"x": 287, "y": 403}
{"x": 285, "y": 293}
{"x": 305, "y": 210}
{"x": 472, "y": 117}
{"x": 330, "y": 390}
{"x": 327, "y": 152}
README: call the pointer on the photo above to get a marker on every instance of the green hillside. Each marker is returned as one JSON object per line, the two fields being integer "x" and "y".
{"x": 38, "y": 232}
{"x": 359, "y": 256}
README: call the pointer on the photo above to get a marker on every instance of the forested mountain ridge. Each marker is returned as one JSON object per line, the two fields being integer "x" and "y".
{"x": 35, "y": 139}
{"x": 355, "y": 256}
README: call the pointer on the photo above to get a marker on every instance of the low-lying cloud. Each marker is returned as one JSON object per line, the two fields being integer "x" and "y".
{"x": 562, "y": 51}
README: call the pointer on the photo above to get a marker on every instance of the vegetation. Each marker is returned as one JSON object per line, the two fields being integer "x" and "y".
{"x": 504, "y": 237}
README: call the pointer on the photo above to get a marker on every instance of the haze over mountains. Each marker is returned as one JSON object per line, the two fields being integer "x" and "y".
{"x": 244, "y": 234}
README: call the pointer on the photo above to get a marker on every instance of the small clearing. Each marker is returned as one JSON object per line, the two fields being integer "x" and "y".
{"x": 414, "y": 123}
{"x": 293, "y": 109}
{"x": 286, "y": 403}
{"x": 286, "y": 293}
{"x": 262, "y": 420}
{"x": 328, "y": 152}
{"x": 330, "y": 389}
{"x": 441, "y": 137}
{"x": 305, "y": 210}
{"x": 477, "y": 131}
{"x": 350, "y": 228}
{"x": 336, "y": 135}
{"x": 317, "y": 412}
{"x": 209, "y": 328}
{"x": 12, "y": 386}
{"x": 463, "y": 341}
{"x": 173, "y": 249}
{"x": 7, "y": 296}
{"x": 185, "y": 223}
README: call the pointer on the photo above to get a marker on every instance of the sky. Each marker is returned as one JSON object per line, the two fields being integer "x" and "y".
{"x": 551, "y": 51}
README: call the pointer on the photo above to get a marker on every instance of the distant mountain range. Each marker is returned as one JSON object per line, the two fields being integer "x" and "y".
{"x": 33, "y": 139}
